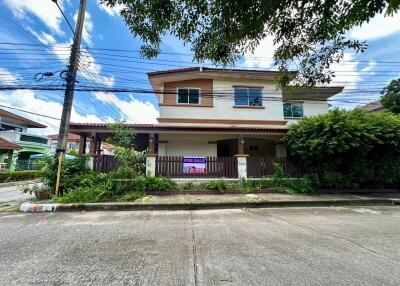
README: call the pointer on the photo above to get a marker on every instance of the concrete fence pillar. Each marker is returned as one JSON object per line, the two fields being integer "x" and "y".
{"x": 242, "y": 166}
{"x": 90, "y": 162}
{"x": 151, "y": 165}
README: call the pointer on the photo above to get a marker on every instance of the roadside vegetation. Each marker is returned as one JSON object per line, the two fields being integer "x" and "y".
{"x": 349, "y": 149}
{"x": 341, "y": 149}
{"x": 12, "y": 176}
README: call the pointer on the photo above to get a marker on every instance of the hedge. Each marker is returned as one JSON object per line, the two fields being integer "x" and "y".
{"x": 12, "y": 176}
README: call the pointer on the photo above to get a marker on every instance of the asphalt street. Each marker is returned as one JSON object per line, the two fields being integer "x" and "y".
{"x": 296, "y": 246}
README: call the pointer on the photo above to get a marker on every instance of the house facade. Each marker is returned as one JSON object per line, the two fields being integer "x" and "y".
{"x": 17, "y": 143}
{"x": 218, "y": 119}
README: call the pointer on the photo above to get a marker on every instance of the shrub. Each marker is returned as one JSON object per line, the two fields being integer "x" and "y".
{"x": 123, "y": 141}
{"x": 84, "y": 195}
{"x": 220, "y": 185}
{"x": 11, "y": 176}
{"x": 70, "y": 171}
{"x": 127, "y": 180}
{"x": 349, "y": 149}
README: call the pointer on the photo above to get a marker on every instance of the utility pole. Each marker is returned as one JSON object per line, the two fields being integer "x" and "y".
{"x": 69, "y": 92}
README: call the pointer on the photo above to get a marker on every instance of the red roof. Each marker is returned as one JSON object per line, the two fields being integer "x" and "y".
{"x": 71, "y": 137}
{"x": 156, "y": 127}
{"x": 20, "y": 119}
{"x": 7, "y": 145}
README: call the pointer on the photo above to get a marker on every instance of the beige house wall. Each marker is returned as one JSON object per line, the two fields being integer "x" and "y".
{"x": 311, "y": 108}
{"x": 223, "y": 105}
{"x": 206, "y": 145}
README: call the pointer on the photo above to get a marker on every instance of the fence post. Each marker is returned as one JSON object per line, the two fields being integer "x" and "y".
{"x": 151, "y": 165}
{"x": 242, "y": 165}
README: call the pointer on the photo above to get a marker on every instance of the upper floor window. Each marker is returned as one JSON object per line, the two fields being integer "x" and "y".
{"x": 188, "y": 96}
{"x": 5, "y": 127}
{"x": 293, "y": 109}
{"x": 248, "y": 96}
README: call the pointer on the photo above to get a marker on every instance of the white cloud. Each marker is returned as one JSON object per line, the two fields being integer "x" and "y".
{"x": 114, "y": 11}
{"x": 134, "y": 111}
{"x": 87, "y": 28}
{"x": 262, "y": 56}
{"x": 346, "y": 72}
{"x": 92, "y": 71}
{"x": 46, "y": 11}
{"x": 7, "y": 77}
{"x": 28, "y": 100}
{"x": 379, "y": 27}
{"x": 349, "y": 75}
{"x": 43, "y": 37}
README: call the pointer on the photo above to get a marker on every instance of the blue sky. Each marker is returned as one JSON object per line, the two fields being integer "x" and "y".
{"x": 38, "y": 23}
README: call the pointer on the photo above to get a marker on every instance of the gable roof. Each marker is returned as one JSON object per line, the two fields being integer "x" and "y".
{"x": 21, "y": 120}
{"x": 374, "y": 106}
{"x": 7, "y": 145}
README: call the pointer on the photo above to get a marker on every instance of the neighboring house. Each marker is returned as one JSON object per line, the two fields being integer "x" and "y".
{"x": 73, "y": 143}
{"x": 374, "y": 106}
{"x": 17, "y": 143}
{"x": 226, "y": 115}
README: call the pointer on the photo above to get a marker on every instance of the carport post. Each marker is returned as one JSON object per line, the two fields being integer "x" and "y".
{"x": 10, "y": 158}
{"x": 151, "y": 157}
{"x": 241, "y": 158}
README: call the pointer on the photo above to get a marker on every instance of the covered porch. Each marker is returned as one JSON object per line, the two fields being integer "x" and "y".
{"x": 187, "y": 151}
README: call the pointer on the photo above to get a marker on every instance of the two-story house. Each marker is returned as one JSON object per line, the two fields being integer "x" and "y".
{"x": 17, "y": 144}
{"x": 213, "y": 122}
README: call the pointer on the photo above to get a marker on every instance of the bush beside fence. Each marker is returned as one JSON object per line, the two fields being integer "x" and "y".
{"x": 12, "y": 176}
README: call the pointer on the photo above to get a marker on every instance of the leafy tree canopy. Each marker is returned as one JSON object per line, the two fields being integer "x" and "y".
{"x": 357, "y": 146}
{"x": 391, "y": 96}
{"x": 310, "y": 34}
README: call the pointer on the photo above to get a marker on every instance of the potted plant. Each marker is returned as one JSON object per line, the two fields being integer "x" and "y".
{"x": 41, "y": 193}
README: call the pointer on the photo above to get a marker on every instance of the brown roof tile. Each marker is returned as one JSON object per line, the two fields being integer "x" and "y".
{"x": 20, "y": 119}
{"x": 156, "y": 127}
{"x": 71, "y": 137}
{"x": 7, "y": 145}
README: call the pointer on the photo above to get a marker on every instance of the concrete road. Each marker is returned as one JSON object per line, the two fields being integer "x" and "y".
{"x": 13, "y": 194}
{"x": 296, "y": 246}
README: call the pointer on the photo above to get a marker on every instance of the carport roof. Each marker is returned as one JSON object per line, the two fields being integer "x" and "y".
{"x": 7, "y": 145}
{"x": 87, "y": 127}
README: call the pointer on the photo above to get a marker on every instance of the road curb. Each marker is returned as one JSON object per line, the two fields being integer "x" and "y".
{"x": 33, "y": 208}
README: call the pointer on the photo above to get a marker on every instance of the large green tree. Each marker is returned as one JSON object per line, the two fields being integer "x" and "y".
{"x": 391, "y": 96}
{"x": 308, "y": 34}
{"x": 349, "y": 148}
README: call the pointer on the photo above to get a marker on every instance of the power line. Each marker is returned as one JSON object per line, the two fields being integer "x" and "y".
{"x": 65, "y": 17}
{"x": 184, "y": 54}
{"x": 30, "y": 112}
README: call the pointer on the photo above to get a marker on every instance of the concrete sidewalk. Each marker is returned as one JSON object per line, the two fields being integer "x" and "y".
{"x": 190, "y": 202}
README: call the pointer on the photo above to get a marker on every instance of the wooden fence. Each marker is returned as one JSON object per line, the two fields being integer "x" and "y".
{"x": 216, "y": 167}
{"x": 105, "y": 163}
{"x": 258, "y": 167}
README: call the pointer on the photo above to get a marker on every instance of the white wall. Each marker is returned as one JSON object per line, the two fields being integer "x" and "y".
{"x": 311, "y": 108}
{"x": 185, "y": 145}
{"x": 223, "y": 106}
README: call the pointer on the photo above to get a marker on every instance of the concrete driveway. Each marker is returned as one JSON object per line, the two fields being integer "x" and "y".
{"x": 13, "y": 194}
{"x": 297, "y": 246}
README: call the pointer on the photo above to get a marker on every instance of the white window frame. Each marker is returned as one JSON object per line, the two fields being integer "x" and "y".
{"x": 177, "y": 95}
{"x": 291, "y": 102}
{"x": 248, "y": 96}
